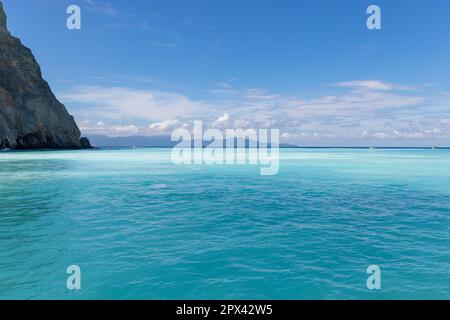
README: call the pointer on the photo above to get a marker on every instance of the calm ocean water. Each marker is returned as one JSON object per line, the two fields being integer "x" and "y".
{"x": 140, "y": 227}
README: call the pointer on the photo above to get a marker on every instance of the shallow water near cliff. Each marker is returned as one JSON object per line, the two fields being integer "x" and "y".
{"x": 141, "y": 227}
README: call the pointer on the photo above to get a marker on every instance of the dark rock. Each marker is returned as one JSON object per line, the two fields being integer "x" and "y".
{"x": 30, "y": 115}
{"x": 85, "y": 143}
{"x": 2, "y": 17}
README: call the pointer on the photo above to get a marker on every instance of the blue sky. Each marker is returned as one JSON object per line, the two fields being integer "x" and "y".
{"x": 310, "y": 68}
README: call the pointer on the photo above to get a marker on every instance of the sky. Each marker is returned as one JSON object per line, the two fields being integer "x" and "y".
{"x": 311, "y": 69}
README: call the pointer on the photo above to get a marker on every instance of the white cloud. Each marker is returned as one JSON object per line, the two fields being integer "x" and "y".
{"x": 259, "y": 94}
{"x": 372, "y": 85}
{"x": 366, "y": 84}
{"x": 165, "y": 125}
{"x": 125, "y": 129}
{"x": 121, "y": 103}
{"x": 406, "y": 134}
{"x": 380, "y": 135}
{"x": 224, "y": 85}
{"x": 165, "y": 44}
{"x": 221, "y": 121}
{"x": 242, "y": 123}
{"x": 110, "y": 130}
{"x": 102, "y": 7}
{"x": 353, "y": 104}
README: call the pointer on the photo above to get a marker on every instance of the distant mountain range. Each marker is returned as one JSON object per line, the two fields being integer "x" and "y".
{"x": 143, "y": 141}
{"x": 165, "y": 142}
{"x": 132, "y": 141}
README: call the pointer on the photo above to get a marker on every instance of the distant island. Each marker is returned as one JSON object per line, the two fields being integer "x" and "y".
{"x": 30, "y": 115}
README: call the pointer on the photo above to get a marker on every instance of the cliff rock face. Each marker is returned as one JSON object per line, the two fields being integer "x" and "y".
{"x": 30, "y": 115}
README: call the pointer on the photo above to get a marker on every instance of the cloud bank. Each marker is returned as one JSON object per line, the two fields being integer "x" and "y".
{"x": 357, "y": 110}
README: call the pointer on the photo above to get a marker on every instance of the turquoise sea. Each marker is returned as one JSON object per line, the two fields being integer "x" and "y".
{"x": 140, "y": 227}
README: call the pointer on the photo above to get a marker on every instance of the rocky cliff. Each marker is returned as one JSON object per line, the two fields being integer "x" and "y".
{"x": 30, "y": 115}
